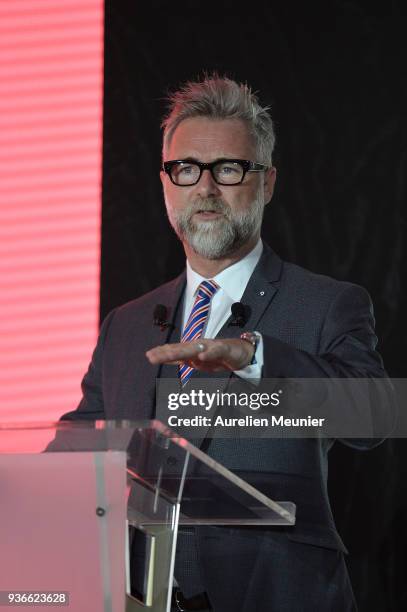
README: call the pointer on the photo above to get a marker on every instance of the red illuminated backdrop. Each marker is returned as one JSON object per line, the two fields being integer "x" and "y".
{"x": 51, "y": 80}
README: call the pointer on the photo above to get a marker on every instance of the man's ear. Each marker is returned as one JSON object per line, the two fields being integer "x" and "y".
{"x": 162, "y": 177}
{"x": 270, "y": 176}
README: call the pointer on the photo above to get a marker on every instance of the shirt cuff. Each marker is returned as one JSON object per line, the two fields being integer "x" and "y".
{"x": 254, "y": 371}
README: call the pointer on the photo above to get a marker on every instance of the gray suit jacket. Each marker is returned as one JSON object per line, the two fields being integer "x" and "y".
{"x": 312, "y": 327}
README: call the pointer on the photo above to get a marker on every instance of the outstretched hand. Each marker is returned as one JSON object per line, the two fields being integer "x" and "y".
{"x": 205, "y": 354}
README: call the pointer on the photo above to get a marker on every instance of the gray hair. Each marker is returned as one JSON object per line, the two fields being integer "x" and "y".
{"x": 219, "y": 97}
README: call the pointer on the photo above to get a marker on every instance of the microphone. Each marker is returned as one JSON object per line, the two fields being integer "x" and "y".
{"x": 238, "y": 314}
{"x": 160, "y": 316}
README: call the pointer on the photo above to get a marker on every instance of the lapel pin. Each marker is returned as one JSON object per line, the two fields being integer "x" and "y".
{"x": 262, "y": 293}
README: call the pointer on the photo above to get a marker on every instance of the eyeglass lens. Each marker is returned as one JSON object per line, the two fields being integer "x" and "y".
{"x": 225, "y": 173}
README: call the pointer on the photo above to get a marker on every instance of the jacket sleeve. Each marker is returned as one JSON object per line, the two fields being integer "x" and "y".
{"x": 347, "y": 349}
{"x": 91, "y": 406}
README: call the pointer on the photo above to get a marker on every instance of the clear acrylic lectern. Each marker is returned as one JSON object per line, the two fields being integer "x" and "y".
{"x": 90, "y": 511}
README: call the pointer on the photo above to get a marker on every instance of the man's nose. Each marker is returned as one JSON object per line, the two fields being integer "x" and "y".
{"x": 206, "y": 185}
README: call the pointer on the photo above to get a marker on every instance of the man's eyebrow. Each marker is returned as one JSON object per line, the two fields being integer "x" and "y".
{"x": 190, "y": 159}
{"x": 196, "y": 160}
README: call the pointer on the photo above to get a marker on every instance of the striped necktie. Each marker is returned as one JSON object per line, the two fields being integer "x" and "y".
{"x": 196, "y": 321}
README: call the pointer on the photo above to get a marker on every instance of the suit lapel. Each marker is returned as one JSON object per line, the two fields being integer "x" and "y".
{"x": 262, "y": 287}
{"x": 171, "y": 297}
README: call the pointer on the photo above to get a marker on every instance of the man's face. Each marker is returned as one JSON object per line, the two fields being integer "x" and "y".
{"x": 216, "y": 220}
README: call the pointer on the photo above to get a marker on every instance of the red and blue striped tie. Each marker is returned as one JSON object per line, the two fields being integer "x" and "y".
{"x": 196, "y": 321}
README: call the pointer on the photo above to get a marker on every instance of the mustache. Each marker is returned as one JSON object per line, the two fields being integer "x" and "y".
{"x": 209, "y": 205}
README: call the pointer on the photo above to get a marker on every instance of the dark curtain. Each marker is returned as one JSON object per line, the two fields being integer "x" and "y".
{"x": 334, "y": 75}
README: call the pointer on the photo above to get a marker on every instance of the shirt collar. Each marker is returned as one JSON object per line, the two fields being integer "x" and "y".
{"x": 232, "y": 280}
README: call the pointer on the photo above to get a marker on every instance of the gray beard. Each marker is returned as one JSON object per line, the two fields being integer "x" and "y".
{"x": 220, "y": 237}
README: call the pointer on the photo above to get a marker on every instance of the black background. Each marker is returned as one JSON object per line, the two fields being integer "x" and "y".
{"x": 334, "y": 75}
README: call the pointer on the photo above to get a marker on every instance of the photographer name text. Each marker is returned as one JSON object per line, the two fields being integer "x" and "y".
{"x": 246, "y": 421}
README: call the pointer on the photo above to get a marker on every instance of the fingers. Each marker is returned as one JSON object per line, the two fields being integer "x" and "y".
{"x": 214, "y": 351}
{"x": 203, "y": 354}
{"x": 175, "y": 354}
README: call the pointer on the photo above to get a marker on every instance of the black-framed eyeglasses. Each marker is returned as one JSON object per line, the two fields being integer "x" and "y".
{"x": 187, "y": 172}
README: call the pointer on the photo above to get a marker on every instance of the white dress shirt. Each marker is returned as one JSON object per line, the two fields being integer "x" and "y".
{"x": 232, "y": 283}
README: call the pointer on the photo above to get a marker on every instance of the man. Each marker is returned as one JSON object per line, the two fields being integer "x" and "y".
{"x": 217, "y": 177}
